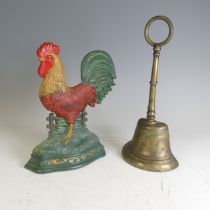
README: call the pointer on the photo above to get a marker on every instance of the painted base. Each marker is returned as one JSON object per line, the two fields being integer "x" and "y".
{"x": 61, "y": 163}
{"x": 54, "y": 155}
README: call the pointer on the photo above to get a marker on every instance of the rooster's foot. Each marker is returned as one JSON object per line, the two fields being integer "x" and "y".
{"x": 69, "y": 134}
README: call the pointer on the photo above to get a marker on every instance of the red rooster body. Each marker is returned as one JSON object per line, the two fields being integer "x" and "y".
{"x": 69, "y": 104}
{"x": 97, "y": 73}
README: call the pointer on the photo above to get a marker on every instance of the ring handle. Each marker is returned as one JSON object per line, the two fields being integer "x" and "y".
{"x": 170, "y": 34}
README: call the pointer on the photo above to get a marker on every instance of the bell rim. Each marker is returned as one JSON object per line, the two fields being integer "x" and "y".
{"x": 163, "y": 165}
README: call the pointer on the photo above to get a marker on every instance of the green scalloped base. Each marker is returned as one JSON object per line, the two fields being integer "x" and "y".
{"x": 44, "y": 164}
{"x": 54, "y": 155}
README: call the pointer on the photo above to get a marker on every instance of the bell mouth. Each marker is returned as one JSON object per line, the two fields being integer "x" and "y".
{"x": 149, "y": 148}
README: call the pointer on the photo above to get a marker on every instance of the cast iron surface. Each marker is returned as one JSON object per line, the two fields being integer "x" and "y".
{"x": 70, "y": 144}
{"x": 54, "y": 155}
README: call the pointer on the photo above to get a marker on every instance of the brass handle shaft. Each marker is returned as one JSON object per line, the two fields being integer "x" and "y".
{"x": 156, "y": 54}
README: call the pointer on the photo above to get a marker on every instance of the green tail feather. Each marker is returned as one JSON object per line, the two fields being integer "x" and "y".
{"x": 97, "y": 69}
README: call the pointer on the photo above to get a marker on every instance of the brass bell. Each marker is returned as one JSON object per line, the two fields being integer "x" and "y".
{"x": 150, "y": 147}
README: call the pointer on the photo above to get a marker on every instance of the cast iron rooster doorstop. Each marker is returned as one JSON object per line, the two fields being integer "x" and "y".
{"x": 70, "y": 144}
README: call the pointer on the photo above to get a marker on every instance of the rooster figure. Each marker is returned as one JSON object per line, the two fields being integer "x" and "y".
{"x": 97, "y": 75}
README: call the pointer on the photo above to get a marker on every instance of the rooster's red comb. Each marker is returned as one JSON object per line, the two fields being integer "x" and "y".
{"x": 46, "y": 48}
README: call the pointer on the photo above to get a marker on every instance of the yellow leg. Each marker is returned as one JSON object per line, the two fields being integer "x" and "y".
{"x": 69, "y": 134}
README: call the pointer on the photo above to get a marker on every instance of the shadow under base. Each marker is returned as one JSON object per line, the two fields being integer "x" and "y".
{"x": 54, "y": 155}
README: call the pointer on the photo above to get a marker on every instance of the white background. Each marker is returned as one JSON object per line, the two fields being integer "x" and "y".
{"x": 182, "y": 102}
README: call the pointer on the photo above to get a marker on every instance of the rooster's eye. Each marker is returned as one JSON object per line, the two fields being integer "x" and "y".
{"x": 49, "y": 60}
